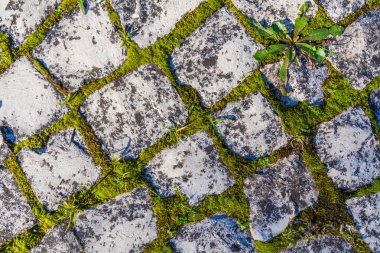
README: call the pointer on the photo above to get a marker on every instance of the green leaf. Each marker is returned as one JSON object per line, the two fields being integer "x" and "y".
{"x": 318, "y": 34}
{"x": 280, "y": 27}
{"x": 317, "y": 54}
{"x": 271, "y": 51}
{"x": 284, "y": 66}
{"x": 82, "y": 6}
{"x": 304, "y": 9}
{"x": 320, "y": 54}
{"x": 336, "y": 30}
{"x": 299, "y": 25}
{"x": 266, "y": 33}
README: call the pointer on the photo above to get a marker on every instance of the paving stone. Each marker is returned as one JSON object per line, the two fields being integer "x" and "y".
{"x": 61, "y": 169}
{"x": 4, "y": 150}
{"x": 269, "y": 11}
{"x": 57, "y": 240}
{"x": 251, "y": 127}
{"x": 134, "y": 112}
{"x": 337, "y": 10}
{"x": 16, "y": 214}
{"x": 366, "y": 213}
{"x": 154, "y": 19}
{"x": 276, "y": 194}
{"x": 193, "y": 165}
{"x": 21, "y": 18}
{"x": 123, "y": 224}
{"x": 325, "y": 244}
{"x": 304, "y": 83}
{"x": 374, "y": 100}
{"x": 216, "y": 234}
{"x": 82, "y": 48}
{"x": 29, "y": 103}
{"x": 349, "y": 148}
{"x": 216, "y": 57}
{"x": 356, "y": 53}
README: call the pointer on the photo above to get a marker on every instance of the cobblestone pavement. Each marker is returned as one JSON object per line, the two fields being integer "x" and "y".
{"x": 148, "y": 126}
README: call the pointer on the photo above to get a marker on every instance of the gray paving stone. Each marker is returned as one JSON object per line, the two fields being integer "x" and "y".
{"x": 29, "y": 103}
{"x": 21, "y": 18}
{"x": 4, "y": 150}
{"x": 366, "y": 213}
{"x": 276, "y": 194}
{"x": 252, "y": 129}
{"x": 216, "y": 57}
{"x": 216, "y": 234}
{"x": 269, "y": 11}
{"x": 16, "y": 214}
{"x": 57, "y": 240}
{"x": 374, "y": 100}
{"x": 325, "y": 244}
{"x": 123, "y": 224}
{"x": 154, "y": 19}
{"x": 82, "y": 48}
{"x": 60, "y": 170}
{"x": 337, "y": 10}
{"x": 356, "y": 53}
{"x": 193, "y": 165}
{"x": 134, "y": 112}
{"x": 349, "y": 148}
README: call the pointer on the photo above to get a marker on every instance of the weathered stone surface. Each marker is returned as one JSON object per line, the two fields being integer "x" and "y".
{"x": 81, "y": 48}
{"x": 268, "y": 11}
{"x": 4, "y": 150}
{"x": 57, "y": 240}
{"x": 251, "y": 127}
{"x": 366, "y": 213}
{"x": 20, "y": 18}
{"x": 216, "y": 57}
{"x": 29, "y": 103}
{"x": 374, "y": 100}
{"x": 325, "y": 244}
{"x": 304, "y": 83}
{"x": 154, "y": 19}
{"x": 349, "y": 148}
{"x": 338, "y": 9}
{"x": 216, "y": 234}
{"x": 60, "y": 170}
{"x": 193, "y": 165}
{"x": 123, "y": 224}
{"x": 135, "y": 111}
{"x": 16, "y": 215}
{"x": 356, "y": 53}
{"x": 276, "y": 194}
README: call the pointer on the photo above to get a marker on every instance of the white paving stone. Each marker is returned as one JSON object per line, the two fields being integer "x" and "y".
{"x": 357, "y": 53}
{"x": 216, "y": 57}
{"x": 21, "y": 18}
{"x": 16, "y": 215}
{"x": 154, "y": 19}
{"x": 60, "y": 170}
{"x": 123, "y": 224}
{"x": 349, "y": 148}
{"x": 81, "y": 48}
{"x": 337, "y": 10}
{"x": 193, "y": 165}
{"x": 251, "y": 127}
{"x": 134, "y": 112}
{"x": 4, "y": 150}
{"x": 216, "y": 234}
{"x": 374, "y": 100}
{"x": 29, "y": 103}
{"x": 276, "y": 194}
{"x": 366, "y": 213}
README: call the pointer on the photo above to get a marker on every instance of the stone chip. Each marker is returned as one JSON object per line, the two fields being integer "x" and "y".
{"x": 337, "y": 10}
{"x": 4, "y": 150}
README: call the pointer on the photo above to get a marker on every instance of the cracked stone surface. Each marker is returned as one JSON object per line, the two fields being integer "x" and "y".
{"x": 123, "y": 224}
{"x": 366, "y": 213}
{"x": 82, "y": 48}
{"x": 16, "y": 214}
{"x": 4, "y": 150}
{"x": 251, "y": 127}
{"x": 374, "y": 100}
{"x": 154, "y": 19}
{"x": 276, "y": 194}
{"x": 62, "y": 168}
{"x": 193, "y": 165}
{"x": 29, "y": 103}
{"x": 325, "y": 244}
{"x": 269, "y": 11}
{"x": 349, "y": 148}
{"x": 216, "y": 234}
{"x": 304, "y": 83}
{"x": 357, "y": 53}
{"x": 57, "y": 240}
{"x": 216, "y": 57}
{"x": 21, "y": 18}
{"x": 134, "y": 112}
{"x": 337, "y": 10}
